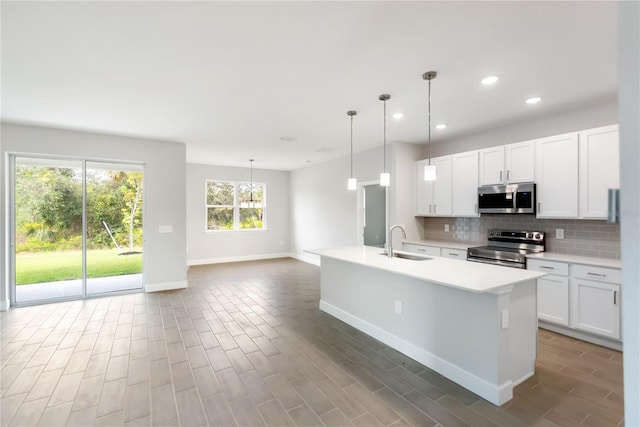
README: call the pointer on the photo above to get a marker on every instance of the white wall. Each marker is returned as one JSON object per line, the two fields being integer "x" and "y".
{"x": 164, "y": 189}
{"x": 629, "y": 94}
{"x": 324, "y": 212}
{"x": 210, "y": 247}
{"x": 587, "y": 117}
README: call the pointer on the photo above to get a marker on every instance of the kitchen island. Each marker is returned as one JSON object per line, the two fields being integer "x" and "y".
{"x": 475, "y": 324}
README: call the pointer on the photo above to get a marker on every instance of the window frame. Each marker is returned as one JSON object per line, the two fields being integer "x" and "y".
{"x": 236, "y": 207}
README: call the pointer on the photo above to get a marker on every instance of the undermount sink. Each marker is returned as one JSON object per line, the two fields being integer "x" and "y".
{"x": 407, "y": 256}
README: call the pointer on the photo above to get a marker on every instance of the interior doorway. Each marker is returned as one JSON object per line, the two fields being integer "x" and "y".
{"x": 372, "y": 214}
{"x": 76, "y": 228}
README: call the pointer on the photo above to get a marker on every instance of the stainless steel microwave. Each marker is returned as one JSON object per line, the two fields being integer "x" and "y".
{"x": 507, "y": 199}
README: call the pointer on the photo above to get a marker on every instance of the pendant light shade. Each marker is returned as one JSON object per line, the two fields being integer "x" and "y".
{"x": 352, "y": 183}
{"x": 430, "y": 173}
{"x": 385, "y": 177}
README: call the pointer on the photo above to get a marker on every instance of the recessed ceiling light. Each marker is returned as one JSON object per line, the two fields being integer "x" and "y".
{"x": 398, "y": 116}
{"x": 441, "y": 126}
{"x": 533, "y": 100}
{"x": 489, "y": 80}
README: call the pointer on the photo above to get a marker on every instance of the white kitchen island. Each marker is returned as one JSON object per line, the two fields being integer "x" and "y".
{"x": 475, "y": 324}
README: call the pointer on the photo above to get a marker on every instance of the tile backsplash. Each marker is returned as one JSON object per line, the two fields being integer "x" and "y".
{"x": 581, "y": 237}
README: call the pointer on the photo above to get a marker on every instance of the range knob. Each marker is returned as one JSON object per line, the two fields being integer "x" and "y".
{"x": 538, "y": 236}
{"x": 529, "y": 235}
{"x": 491, "y": 233}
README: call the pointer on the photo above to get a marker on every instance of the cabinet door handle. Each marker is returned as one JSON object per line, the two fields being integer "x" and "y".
{"x": 434, "y": 208}
{"x": 476, "y": 207}
{"x": 539, "y": 210}
{"x": 547, "y": 268}
{"x": 508, "y": 173}
{"x": 596, "y": 274}
{"x": 422, "y": 250}
{"x": 452, "y": 254}
{"x": 500, "y": 176}
{"x": 615, "y": 297}
{"x": 430, "y": 208}
{"x": 554, "y": 281}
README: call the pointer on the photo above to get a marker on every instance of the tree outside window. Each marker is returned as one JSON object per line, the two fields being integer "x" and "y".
{"x": 235, "y": 206}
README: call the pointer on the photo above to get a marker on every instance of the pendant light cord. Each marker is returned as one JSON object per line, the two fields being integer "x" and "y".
{"x": 351, "y": 173}
{"x": 251, "y": 184}
{"x": 429, "y": 121}
{"x": 384, "y": 138}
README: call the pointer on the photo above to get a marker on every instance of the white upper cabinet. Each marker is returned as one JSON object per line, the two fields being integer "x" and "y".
{"x": 433, "y": 198}
{"x": 508, "y": 164}
{"x": 464, "y": 184}
{"x": 599, "y": 169}
{"x": 557, "y": 176}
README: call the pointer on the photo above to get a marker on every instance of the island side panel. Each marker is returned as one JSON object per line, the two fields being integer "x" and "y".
{"x": 452, "y": 331}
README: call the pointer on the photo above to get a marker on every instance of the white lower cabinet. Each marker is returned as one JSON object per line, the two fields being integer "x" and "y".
{"x": 579, "y": 297}
{"x": 421, "y": 249}
{"x": 595, "y": 307}
{"x": 553, "y": 299}
{"x": 454, "y": 253}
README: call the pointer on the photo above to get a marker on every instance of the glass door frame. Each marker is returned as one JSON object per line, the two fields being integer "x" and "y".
{"x": 11, "y": 227}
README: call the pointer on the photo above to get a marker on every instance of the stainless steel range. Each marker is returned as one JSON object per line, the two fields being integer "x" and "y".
{"x": 508, "y": 248}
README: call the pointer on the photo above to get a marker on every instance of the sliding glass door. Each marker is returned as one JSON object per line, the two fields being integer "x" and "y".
{"x": 77, "y": 228}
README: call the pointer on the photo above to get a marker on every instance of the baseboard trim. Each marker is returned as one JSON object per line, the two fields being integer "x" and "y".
{"x": 4, "y": 305}
{"x": 496, "y": 394}
{"x": 584, "y": 336}
{"x": 306, "y": 257}
{"x": 237, "y": 259}
{"x": 166, "y": 286}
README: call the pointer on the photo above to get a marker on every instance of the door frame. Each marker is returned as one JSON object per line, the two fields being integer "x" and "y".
{"x": 360, "y": 211}
{"x": 11, "y": 227}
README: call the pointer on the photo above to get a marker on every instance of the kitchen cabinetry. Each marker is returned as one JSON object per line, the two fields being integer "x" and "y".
{"x": 421, "y": 249}
{"x": 557, "y": 176}
{"x": 507, "y": 164}
{"x": 433, "y": 198}
{"x": 583, "y": 300}
{"x": 599, "y": 167}
{"x": 595, "y": 300}
{"x": 553, "y": 291}
{"x": 430, "y": 250}
{"x": 464, "y": 184}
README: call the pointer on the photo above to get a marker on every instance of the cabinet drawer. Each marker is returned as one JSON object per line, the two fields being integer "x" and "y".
{"x": 421, "y": 249}
{"x": 454, "y": 254}
{"x": 601, "y": 274}
{"x": 544, "y": 266}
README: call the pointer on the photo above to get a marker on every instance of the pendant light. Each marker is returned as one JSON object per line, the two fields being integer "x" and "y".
{"x": 430, "y": 170}
{"x": 385, "y": 178}
{"x": 352, "y": 183}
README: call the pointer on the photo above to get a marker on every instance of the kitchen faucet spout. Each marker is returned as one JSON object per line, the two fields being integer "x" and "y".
{"x": 390, "y": 237}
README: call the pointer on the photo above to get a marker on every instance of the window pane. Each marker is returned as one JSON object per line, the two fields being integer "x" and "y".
{"x": 251, "y": 219}
{"x": 220, "y": 219}
{"x": 219, "y": 193}
{"x": 244, "y": 192}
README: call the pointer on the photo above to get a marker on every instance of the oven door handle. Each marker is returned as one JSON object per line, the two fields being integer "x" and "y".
{"x": 511, "y": 264}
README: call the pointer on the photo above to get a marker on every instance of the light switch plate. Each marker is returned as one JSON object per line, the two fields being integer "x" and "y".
{"x": 559, "y": 233}
{"x": 446, "y": 228}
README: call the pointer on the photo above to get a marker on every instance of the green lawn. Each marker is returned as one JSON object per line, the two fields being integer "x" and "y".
{"x": 55, "y": 266}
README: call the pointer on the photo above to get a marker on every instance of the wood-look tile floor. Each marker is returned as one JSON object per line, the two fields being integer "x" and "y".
{"x": 246, "y": 345}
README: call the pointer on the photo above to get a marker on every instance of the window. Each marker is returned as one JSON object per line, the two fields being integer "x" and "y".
{"x": 235, "y": 206}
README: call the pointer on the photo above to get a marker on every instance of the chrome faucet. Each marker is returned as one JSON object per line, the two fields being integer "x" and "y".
{"x": 389, "y": 246}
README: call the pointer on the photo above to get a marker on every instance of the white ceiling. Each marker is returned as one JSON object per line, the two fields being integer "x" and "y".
{"x": 230, "y": 79}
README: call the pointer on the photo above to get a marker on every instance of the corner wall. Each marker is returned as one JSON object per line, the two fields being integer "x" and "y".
{"x": 211, "y": 247}
{"x": 165, "y": 182}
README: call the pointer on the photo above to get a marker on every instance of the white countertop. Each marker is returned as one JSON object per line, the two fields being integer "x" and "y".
{"x": 470, "y": 276}
{"x": 577, "y": 259}
{"x": 445, "y": 244}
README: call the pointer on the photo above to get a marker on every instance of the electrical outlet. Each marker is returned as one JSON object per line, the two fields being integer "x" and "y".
{"x": 446, "y": 228}
{"x": 398, "y": 307}
{"x": 559, "y": 233}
